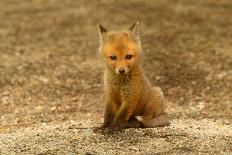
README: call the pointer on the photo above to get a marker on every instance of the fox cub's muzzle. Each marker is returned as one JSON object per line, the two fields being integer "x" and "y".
{"x": 121, "y": 70}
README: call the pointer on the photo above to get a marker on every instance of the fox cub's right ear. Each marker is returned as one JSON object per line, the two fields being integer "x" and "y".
{"x": 101, "y": 30}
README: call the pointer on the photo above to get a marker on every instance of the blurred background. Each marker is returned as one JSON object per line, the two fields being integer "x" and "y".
{"x": 50, "y": 70}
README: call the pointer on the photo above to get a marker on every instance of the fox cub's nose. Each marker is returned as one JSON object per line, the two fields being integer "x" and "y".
{"x": 121, "y": 70}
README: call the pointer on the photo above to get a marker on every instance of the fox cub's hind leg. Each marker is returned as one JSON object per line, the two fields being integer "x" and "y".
{"x": 158, "y": 121}
{"x": 154, "y": 115}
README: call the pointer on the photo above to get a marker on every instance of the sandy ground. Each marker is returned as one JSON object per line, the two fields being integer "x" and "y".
{"x": 51, "y": 76}
{"x": 183, "y": 136}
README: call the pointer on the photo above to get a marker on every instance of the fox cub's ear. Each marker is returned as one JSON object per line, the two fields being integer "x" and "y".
{"x": 102, "y": 33}
{"x": 134, "y": 28}
{"x": 101, "y": 29}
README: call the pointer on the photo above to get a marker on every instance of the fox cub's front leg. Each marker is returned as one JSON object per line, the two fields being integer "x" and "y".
{"x": 112, "y": 121}
{"x": 125, "y": 111}
{"x": 120, "y": 120}
{"x": 108, "y": 116}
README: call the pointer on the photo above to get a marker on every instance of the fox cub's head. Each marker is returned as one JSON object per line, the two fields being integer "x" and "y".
{"x": 121, "y": 49}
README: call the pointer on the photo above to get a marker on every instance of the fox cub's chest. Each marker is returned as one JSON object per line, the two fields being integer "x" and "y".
{"x": 121, "y": 85}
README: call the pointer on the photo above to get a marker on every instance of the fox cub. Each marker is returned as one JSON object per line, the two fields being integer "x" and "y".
{"x": 131, "y": 101}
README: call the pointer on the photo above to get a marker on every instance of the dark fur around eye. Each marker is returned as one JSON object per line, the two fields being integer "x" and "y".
{"x": 113, "y": 57}
{"x": 129, "y": 57}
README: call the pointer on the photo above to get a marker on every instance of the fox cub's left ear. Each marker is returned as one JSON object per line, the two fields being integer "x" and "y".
{"x": 134, "y": 28}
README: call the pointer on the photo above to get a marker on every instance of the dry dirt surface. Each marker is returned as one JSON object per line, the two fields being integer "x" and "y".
{"x": 51, "y": 76}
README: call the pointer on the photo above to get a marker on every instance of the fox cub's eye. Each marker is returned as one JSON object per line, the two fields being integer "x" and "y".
{"x": 129, "y": 57}
{"x": 113, "y": 57}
